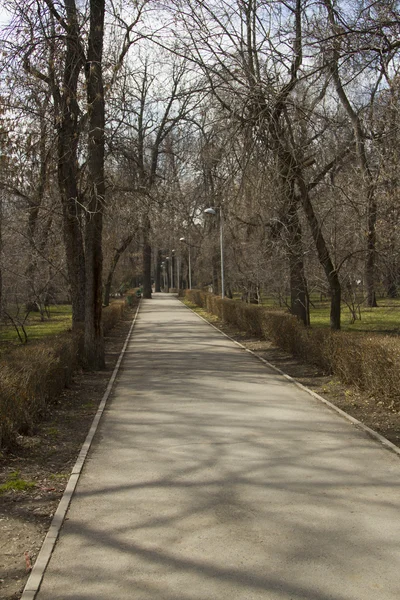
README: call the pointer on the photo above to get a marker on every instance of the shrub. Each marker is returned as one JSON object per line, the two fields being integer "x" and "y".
{"x": 30, "y": 377}
{"x": 112, "y": 314}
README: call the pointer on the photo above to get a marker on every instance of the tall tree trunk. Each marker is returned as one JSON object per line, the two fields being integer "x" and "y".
{"x": 325, "y": 260}
{"x": 215, "y": 274}
{"x": 299, "y": 301}
{"x": 1, "y": 253}
{"x": 167, "y": 272}
{"x": 157, "y": 286}
{"x": 174, "y": 282}
{"x": 93, "y": 340}
{"x": 371, "y": 249}
{"x": 75, "y": 256}
{"x": 299, "y": 194}
{"x": 146, "y": 259}
{"x": 118, "y": 253}
{"x": 35, "y": 203}
{"x": 67, "y": 168}
{"x": 361, "y": 138}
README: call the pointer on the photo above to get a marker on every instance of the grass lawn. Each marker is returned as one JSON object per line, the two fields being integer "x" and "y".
{"x": 383, "y": 319}
{"x": 60, "y": 320}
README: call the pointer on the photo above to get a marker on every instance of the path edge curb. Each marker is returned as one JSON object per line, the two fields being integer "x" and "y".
{"x": 35, "y": 578}
{"x": 388, "y": 445}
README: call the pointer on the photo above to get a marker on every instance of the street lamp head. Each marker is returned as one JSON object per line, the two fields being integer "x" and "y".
{"x": 210, "y": 211}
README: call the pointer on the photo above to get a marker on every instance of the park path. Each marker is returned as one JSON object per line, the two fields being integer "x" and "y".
{"x": 211, "y": 477}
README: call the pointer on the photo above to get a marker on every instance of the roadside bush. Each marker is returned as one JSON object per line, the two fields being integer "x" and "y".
{"x": 32, "y": 376}
{"x": 113, "y": 313}
{"x": 380, "y": 357}
{"x": 369, "y": 362}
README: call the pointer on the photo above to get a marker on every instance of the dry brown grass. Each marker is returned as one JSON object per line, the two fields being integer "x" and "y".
{"x": 32, "y": 376}
{"x": 112, "y": 314}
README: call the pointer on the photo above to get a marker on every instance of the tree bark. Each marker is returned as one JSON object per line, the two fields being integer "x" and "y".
{"x": 215, "y": 275}
{"x": 158, "y": 271}
{"x": 167, "y": 272}
{"x": 371, "y": 248}
{"x": 299, "y": 302}
{"x": 67, "y": 168}
{"x": 323, "y": 255}
{"x": 146, "y": 259}
{"x": 361, "y": 149}
{"x": 174, "y": 282}
{"x": 93, "y": 339}
{"x": 35, "y": 203}
{"x": 75, "y": 256}
{"x": 1, "y": 254}
{"x": 118, "y": 253}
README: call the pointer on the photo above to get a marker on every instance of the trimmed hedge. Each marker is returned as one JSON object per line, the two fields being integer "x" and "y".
{"x": 113, "y": 313}
{"x": 32, "y": 376}
{"x": 369, "y": 362}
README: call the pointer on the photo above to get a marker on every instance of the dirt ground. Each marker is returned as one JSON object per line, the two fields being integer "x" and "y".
{"x": 47, "y": 457}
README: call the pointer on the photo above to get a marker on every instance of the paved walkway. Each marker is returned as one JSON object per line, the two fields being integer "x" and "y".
{"x": 213, "y": 478}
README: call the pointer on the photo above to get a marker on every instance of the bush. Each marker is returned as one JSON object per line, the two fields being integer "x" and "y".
{"x": 30, "y": 378}
{"x": 371, "y": 363}
{"x": 112, "y": 314}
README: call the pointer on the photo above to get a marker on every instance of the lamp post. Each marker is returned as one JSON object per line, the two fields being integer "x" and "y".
{"x": 213, "y": 211}
{"x": 182, "y": 239}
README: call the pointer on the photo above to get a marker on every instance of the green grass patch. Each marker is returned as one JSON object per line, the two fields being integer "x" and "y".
{"x": 59, "y": 476}
{"x": 60, "y": 320}
{"x": 15, "y": 483}
{"x": 383, "y": 319}
{"x": 52, "y": 431}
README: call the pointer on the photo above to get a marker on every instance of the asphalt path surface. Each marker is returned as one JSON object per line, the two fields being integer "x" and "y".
{"x": 211, "y": 477}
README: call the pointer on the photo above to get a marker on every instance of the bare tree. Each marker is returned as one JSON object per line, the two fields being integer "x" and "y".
{"x": 60, "y": 45}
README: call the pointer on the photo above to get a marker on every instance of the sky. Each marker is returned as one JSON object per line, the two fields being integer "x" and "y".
{"x": 4, "y": 17}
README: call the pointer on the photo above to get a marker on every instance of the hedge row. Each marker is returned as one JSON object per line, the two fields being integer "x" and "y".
{"x": 112, "y": 314}
{"x": 369, "y": 362}
{"x": 32, "y": 376}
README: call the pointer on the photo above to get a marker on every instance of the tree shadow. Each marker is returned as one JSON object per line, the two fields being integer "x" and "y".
{"x": 212, "y": 477}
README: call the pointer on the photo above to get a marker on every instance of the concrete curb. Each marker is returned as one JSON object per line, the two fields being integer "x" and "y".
{"x": 35, "y": 579}
{"x": 370, "y": 432}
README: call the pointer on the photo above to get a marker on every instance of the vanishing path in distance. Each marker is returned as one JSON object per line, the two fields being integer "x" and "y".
{"x": 211, "y": 477}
